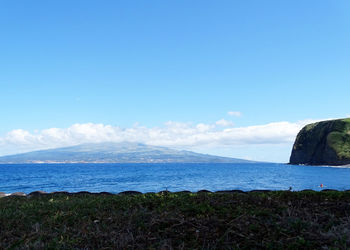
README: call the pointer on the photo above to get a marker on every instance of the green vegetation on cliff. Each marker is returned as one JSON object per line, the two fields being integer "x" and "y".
{"x": 254, "y": 220}
{"x": 323, "y": 143}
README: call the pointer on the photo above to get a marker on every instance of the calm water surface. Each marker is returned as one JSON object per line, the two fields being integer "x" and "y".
{"x": 173, "y": 177}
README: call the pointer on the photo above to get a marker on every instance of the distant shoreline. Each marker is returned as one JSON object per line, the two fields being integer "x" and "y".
{"x": 163, "y": 163}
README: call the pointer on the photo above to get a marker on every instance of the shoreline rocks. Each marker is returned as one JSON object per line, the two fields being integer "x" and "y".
{"x": 164, "y": 192}
{"x": 20, "y": 194}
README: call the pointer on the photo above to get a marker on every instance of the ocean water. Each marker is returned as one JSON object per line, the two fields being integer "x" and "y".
{"x": 173, "y": 177}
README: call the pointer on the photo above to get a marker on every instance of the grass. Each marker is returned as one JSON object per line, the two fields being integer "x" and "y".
{"x": 254, "y": 220}
{"x": 339, "y": 140}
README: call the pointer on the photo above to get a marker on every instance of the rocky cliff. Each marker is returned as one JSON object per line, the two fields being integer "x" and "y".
{"x": 323, "y": 143}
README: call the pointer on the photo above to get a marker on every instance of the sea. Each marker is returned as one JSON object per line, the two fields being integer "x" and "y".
{"x": 173, "y": 177}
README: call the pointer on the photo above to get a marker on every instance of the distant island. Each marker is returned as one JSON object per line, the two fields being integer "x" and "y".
{"x": 124, "y": 152}
{"x": 323, "y": 143}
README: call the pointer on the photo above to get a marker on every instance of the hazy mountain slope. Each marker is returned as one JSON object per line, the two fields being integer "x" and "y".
{"x": 125, "y": 152}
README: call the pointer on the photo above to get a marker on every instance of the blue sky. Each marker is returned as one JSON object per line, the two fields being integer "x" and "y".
{"x": 119, "y": 63}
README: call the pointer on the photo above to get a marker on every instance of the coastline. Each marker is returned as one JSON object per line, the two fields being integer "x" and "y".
{"x": 133, "y": 192}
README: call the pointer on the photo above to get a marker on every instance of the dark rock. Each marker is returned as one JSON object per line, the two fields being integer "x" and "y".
{"x": 37, "y": 193}
{"x": 329, "y": 190}
{"x": 61, "y": 193}
{"x": 231, "y": 191}
{"x": 82, "y": 193}
{"x": 323, "y": 143}
{"x": 260, "y": 191}
{"x": 130, "y": 193}
{"x": 204, "y": 191}
{"x": 18, "y": 194}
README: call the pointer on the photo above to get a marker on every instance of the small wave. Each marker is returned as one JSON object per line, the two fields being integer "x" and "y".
{"x": 329, "y": 166}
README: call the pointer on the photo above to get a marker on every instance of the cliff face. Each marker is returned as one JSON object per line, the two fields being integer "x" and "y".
{"x": 323, "y": 143}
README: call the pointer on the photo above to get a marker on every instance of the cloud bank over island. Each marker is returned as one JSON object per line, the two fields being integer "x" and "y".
{"x": 190, "y": 136}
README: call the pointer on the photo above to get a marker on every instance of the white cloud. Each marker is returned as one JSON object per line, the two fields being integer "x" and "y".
{"x": 224, "y": 123}
{"x": 202, "y": 128}
{"x": 172, "y": 134}
{"x": 234, "y": 113}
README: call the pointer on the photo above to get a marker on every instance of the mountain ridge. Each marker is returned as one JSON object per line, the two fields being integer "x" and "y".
{"x": 124, "y": 152}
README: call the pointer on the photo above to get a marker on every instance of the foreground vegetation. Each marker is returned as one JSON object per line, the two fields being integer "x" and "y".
{"x": 236, "y": 220}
